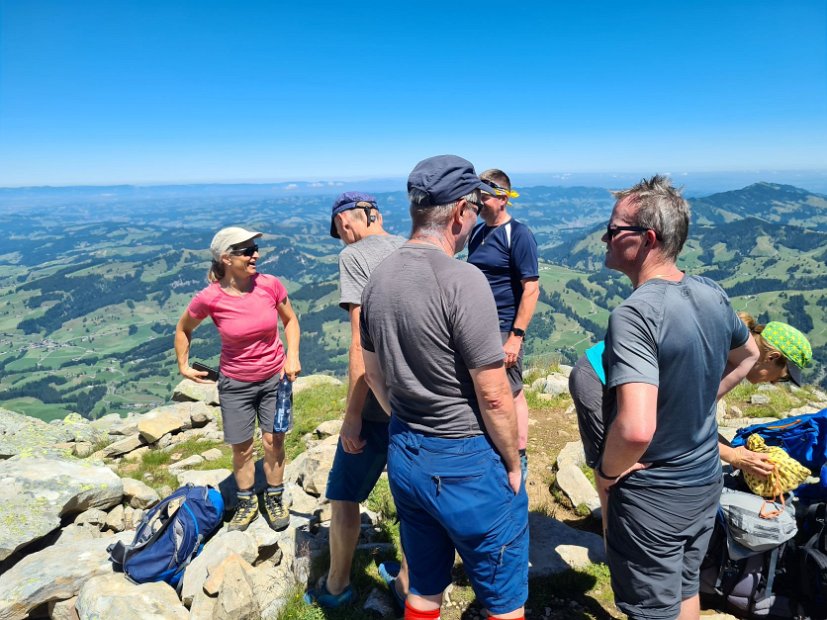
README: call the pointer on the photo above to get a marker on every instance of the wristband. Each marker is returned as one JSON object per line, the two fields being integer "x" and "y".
{"x": 603, "y": 475}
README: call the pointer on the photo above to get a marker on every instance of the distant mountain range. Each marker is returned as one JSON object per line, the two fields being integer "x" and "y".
{"x": 91, "y": 285}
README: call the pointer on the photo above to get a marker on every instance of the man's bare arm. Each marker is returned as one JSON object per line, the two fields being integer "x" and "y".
{"x": 739, "y": 362}
{"x": 376, "y": 379}
{"x": 499, "y": 416}
{"x": 633, "y": 428}
{"x": 357, "y": 388}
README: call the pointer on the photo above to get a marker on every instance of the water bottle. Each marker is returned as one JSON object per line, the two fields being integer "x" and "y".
{"x": 284, "y": 406}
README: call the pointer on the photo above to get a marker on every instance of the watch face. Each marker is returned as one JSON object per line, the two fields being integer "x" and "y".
{"x": 518, "y": 332}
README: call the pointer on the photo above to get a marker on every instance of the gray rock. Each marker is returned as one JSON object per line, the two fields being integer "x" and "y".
{"x": 63, "y": 610}
{"x": 311, "y": 381}
{"x": 571, "y": 454}
{"x": 190, "y": 461}
{"x": 379, "y": 603}
{"x": 123, "y": 446}
{"x": 114, "y": 520}
{"x": 213, "y": 454}
{"x": 551, "y": 546}
{"x": 221, "y": 546}
{"x": 104, "y": 423}
{"x": 759, "y": 399}
{"x": 203, "y": 477}
{"x": 767, "y": 387}
{"x": 112, "y": 596}
{"x": 273, "y": 586}
{"x": 574, "y": 484}
{"x": 299, "y": 501}
{"x": 77, "y": 428}
{"x": 138, "y": 494}
{"x": 328, "y": 428}
{"x": 311, "y": 468}
{"x": 564, "y": 369}
{"x": 75, "y": 532}
{"x": 190, "y": 391}
{"x": 53, "y": 574}
{"x": 35, "y": 493}
{"x": 556, "y": 384}
{"x": 94, "y": 516}
{"x": 22, "y": 434}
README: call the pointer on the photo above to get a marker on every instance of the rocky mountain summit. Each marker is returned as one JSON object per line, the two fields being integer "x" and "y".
{"x": 70, "y": 489}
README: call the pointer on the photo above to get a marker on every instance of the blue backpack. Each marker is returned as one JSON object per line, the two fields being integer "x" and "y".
{"x": 804, "y": 438}
{"x": 170, "y": 536}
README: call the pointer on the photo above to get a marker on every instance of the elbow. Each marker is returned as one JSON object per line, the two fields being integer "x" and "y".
{"x": 639, "y": 436}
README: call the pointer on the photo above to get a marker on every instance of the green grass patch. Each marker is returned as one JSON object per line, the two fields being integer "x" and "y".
{"x": 781, "y": 400}
{"x": 311, "y": 407}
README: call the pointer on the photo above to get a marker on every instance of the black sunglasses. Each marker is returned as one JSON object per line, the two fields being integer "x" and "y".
{"x": 248, "y": 251}
{"x": 611, "y": 231}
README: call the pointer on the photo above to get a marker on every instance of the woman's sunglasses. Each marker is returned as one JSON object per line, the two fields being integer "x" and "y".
{"x": 248, "y": 251}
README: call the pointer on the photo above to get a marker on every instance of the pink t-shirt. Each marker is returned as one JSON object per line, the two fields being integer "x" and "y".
{"x": 251, "y": 349}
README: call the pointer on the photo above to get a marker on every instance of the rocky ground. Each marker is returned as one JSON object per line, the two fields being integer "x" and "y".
{"x": 71, "y": 488}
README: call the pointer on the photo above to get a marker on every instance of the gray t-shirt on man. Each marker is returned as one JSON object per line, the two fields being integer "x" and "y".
{"x": 676, "y": 336}
{"x": 429, "y": 318}
{"x": 356, "y": 262}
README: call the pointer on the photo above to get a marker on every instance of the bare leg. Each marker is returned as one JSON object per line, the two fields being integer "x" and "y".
{"x": 425, "y": 603}
{"x": 401, "y": 582}
{"x": 273, "y": 458}
{"x": 517, "y": 613}
{"x": 243, "y": 468}
{"x": 521, "y": 406}
{"x": 344, "y": 533}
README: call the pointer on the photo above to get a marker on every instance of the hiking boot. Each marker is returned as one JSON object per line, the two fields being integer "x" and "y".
{"x": 275, "y": 512}
{"x": 245, "y": 513}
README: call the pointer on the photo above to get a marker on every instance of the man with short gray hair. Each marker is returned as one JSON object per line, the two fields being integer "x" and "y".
{"x": 434, "y": 358}
{"x": 668, "y": 346}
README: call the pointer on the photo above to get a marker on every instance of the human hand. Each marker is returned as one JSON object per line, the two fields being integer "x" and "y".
{"x": 188, "y": 372}
{"x": 515, "y": 479}
{"x": 292, "y": 367}
{"x": 755, "y": 463}
{"x": 511, "y": 350}
{"x": 350, "y": 435}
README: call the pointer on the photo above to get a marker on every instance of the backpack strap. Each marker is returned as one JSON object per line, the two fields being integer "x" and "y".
{"x": 773, "y": 565}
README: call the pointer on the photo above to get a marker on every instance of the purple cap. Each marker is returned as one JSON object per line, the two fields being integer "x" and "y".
{"x": 445, "y": 178}
{"x": 345, "y": 202}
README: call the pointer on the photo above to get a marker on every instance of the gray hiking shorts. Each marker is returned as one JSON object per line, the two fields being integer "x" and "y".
{"x": 656, "y": 539}
{"x": 244, "y": 401}
{"x": 515, "y": 372}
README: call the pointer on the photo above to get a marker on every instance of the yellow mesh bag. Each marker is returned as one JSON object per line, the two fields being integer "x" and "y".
{"x": 786, "y": 476}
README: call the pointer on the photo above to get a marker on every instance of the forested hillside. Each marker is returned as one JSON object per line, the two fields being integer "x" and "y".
{"x": 91, "y": 288}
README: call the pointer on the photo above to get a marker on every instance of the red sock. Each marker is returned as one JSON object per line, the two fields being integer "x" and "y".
{"x": 418, "y": 614}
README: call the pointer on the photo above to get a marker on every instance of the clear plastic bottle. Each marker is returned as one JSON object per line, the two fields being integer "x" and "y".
{"x": 284, "y": 407}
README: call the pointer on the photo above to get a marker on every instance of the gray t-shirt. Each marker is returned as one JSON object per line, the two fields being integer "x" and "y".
{"x": 429, "y": 318}
{"x": 676, "y": 336}
{"x": 356, "y": 262}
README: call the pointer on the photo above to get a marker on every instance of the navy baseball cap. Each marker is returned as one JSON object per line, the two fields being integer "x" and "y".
{"x": 346, "y": 202}
{"x": 445, "y": 178}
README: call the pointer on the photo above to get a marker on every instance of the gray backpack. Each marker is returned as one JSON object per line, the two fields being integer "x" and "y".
{"x": 743, "y": 570}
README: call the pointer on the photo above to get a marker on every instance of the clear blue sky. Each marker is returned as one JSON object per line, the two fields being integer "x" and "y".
{"x": 145, "y": 91}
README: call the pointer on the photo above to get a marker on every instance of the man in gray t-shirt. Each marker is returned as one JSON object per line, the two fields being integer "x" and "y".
{"x": 363, "y": 441}
{"x": 667, "y": 348}
{"x": 434, "y": 358}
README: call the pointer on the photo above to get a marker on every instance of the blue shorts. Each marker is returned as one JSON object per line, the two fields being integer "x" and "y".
{"x": 353, "y": 476}
{"x": 453, "y": 494}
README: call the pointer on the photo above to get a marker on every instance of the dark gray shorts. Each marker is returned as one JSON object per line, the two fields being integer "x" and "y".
{"x": 244, "y": 401}
{"x": 515, "y": 373}
{"x": 587, "y": 393}
{"x": 656, "y": 539}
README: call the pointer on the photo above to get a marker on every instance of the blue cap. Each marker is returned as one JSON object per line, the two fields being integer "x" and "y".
{"x": 346, "y": 202}
{"x": 445, "y": 178}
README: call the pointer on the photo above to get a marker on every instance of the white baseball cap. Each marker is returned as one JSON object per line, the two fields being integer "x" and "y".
{"x": 226, "y": 238}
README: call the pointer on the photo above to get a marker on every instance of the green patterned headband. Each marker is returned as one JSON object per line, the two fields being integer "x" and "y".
{"x": 791, "y": 342}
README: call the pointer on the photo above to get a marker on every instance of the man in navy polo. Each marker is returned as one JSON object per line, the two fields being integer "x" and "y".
{"x": 506, "y": 252}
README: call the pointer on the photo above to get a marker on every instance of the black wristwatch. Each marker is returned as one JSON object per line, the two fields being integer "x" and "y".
{"x": 518, "y": 332}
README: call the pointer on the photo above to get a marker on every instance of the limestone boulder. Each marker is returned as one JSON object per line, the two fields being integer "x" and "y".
{"x": 112, "y": 596}
{"x": 577, "y": 487}
{"x": 138, "y": 494}
{"x": 556, "y": 547}
{"x": 759, "y": 399}
{"x": 571, "y": 454}
{"x": 35, "y": 493}
{"x": 203, "y": 477}
{"x": 556, "y": 384}
{"x": 311, "y": 381}
{"x": 24, "y": 435}
{"x": 328, "y": 428}
{"x": 190, "y": 391}
{"x": 124, "y": 446}
{"x": 53, "y": 574}
{"x": 220, "y": 547}
{"x": 311, "y": 468}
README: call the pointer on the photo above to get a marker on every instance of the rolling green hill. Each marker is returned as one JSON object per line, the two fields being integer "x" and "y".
{"x": 90, "y": 291}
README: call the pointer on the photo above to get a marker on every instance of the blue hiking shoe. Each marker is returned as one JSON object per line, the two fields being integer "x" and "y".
{"x": 388, "y": 572}
{"x": 321, "y": 597}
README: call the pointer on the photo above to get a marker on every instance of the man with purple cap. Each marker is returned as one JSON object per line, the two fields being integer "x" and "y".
{"x": 434, "y": 358}
{"x": 363, "y": 442}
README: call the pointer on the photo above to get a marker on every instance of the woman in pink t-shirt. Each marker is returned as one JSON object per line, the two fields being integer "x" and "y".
{"x": 246, "y": 306}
